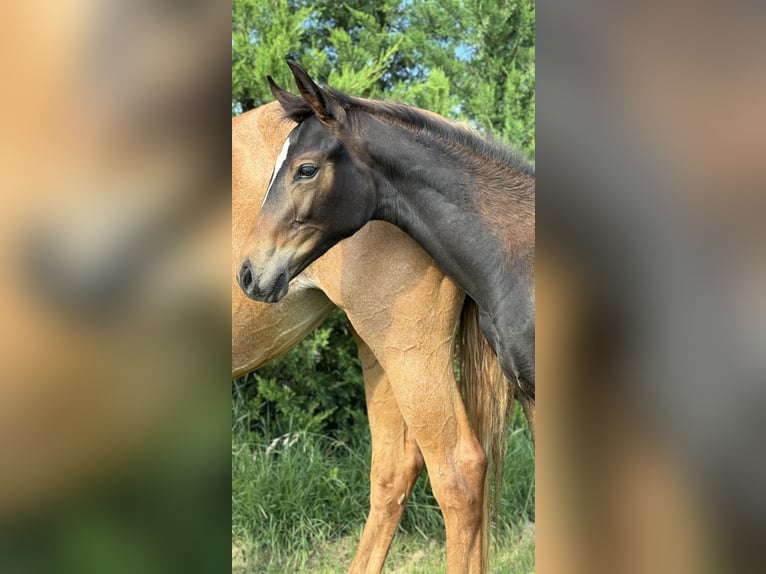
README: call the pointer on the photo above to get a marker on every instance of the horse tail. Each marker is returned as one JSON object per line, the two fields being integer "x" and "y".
{"x": 488, "y": 399}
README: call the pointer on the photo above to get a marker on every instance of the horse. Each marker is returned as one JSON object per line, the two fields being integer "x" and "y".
{"x": 403, "y": 311}
{"x": 468, "y": 202}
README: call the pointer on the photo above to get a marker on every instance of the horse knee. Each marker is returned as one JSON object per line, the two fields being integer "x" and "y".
{"x": 461, "y": 487}
{"x": 391, "y": 484}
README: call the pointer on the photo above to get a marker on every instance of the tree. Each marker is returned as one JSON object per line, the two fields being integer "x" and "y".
{"x": 486, "y": 49}
{"x": 470, "y": 60}
{"x": 262, "y": 33}
{"x": 352, "y": 58}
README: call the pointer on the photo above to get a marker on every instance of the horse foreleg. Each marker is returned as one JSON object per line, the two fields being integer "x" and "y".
{"x": 396, "y": 465}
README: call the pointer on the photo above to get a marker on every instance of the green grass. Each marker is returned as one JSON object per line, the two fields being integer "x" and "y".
{"x": 299, "y": 502}
{"x": 514, "y": 553}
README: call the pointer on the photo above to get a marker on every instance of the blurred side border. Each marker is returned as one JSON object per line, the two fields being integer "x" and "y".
{"x": 650, "y": 299}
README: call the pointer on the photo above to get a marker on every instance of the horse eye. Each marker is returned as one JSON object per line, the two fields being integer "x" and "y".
{"x": 307, "y": 170}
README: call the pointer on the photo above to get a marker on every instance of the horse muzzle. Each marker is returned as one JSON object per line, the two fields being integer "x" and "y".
{"x": 260, "y": 286}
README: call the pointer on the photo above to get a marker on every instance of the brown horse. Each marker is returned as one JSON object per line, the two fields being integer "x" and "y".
{"x": 403, "y": 310}
{"x": 468, "y": 202}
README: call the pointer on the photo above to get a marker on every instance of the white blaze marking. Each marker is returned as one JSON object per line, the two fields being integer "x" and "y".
{"x": 277, "y": 166}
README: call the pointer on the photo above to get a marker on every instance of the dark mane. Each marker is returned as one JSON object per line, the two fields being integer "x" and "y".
{"x": 296, "y": 109}
{"x": 442, "y": 129}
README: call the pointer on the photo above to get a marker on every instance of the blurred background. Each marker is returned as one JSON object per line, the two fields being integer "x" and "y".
{"x": 114, "y": 250}
{"x": 650, "y": 287}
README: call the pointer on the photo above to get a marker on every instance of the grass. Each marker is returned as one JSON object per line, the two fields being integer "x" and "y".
{"x": 299, "y": 502}
{"x": 410, "y": 554}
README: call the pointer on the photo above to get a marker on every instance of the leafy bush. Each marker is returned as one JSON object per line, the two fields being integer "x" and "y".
{"x": 316, "y": 388}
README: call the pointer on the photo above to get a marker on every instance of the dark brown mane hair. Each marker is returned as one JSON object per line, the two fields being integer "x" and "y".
{"x": 442, "y": 129}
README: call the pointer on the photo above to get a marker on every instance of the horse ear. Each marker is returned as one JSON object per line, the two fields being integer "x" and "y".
{"x": 295, "y": 107}
{"x": 284, "y": 97}
{"x": 323, "y": 103}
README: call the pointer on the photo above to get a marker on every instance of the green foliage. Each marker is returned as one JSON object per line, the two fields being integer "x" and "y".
{"x": 433, "y": 94}
{"x": 316, "y": 388}
{"x": 343, "y": 45}
{"x": 294, "y": 490}
{"x": 486, "y": 49}
{"x": 262, "y": 34}
{"x": 470, "y": 60}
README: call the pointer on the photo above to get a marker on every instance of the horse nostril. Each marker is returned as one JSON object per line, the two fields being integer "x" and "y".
{"x": 246, "y": 276}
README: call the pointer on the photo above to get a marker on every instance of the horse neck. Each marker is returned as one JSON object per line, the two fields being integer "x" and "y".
{"x": 473, "y": 215}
